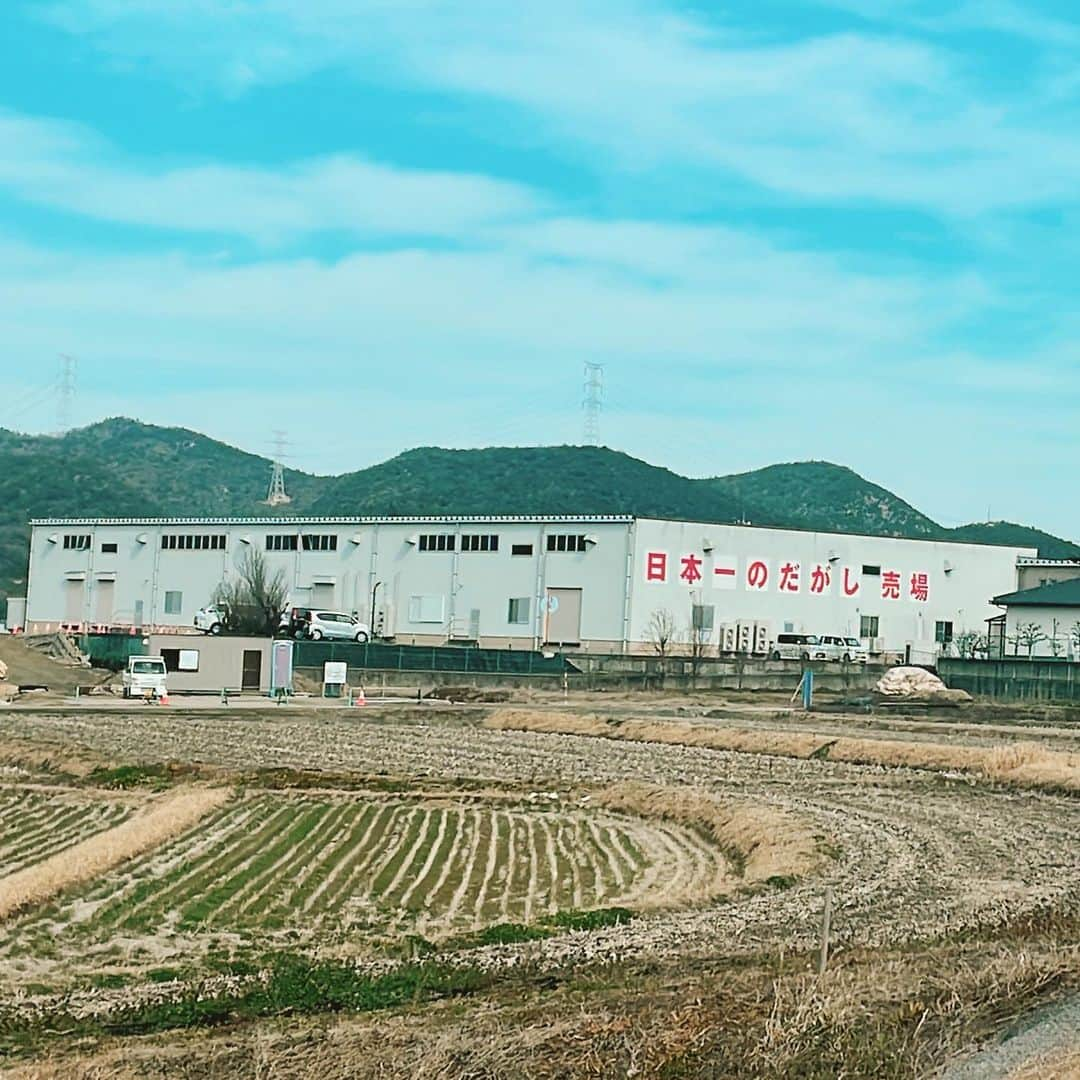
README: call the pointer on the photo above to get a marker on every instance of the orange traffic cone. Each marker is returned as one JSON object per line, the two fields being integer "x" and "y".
{"x": 359, "y": 700}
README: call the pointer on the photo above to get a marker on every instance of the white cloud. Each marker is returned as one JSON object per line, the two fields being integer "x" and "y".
{"x": 66, "y": 167}
{"x": 884, "y": 118}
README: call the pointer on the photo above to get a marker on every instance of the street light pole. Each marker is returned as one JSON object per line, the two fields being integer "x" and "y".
{"x": 374, "y": 591}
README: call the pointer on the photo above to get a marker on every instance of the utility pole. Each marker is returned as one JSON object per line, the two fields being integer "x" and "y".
{"x": 65, "y": 393}
{"x": 593, "y": 402}
{"x": 277, "y": 495}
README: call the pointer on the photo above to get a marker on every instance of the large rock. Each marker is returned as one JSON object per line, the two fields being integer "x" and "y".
{"x": 8, "y": 691}
{"x": 916, "y": 684}
{"x": 3, "y": 671}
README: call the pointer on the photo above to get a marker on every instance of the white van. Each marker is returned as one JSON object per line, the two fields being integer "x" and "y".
{"x": 848, "y": 650}
{"x": 797, "y": 647}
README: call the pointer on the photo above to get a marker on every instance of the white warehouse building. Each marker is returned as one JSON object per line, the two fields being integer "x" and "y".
{"x": 525, "y": 582}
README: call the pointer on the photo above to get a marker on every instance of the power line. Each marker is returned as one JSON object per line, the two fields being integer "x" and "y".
{"x": 29, "y": 401}
{"x": 593, "y": 402}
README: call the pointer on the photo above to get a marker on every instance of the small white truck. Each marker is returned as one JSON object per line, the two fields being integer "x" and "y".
{"x": 144, "y": 677}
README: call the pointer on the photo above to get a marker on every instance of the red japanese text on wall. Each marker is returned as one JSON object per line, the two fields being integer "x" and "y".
{"x": 790, "y": 576}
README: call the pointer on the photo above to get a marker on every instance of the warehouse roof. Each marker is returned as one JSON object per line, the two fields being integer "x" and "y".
{"x": 1056, "y": 594}
{"x": 521, "y": 519}
{"x": 410, "y": 520}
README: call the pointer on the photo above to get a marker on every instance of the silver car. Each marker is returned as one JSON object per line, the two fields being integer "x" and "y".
{"x": 335, "y": 626}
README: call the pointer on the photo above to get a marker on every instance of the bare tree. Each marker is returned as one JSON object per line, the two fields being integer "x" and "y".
{"x": 661, "y": 631}
{"x": 1056, "y": 645}
{"x": 253, "y": 600}
{"x": 661, "y": 634}
{"x": 970, "y": 644}
{"x": 1027, "y": 636}
{"x": 699, "y": 634}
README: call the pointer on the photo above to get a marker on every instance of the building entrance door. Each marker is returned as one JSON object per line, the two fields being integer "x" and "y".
{"x": 252, "y": 676}
{"x": 562, "y": 621}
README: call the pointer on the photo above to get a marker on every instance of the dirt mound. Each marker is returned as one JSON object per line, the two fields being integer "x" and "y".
{"x": 28, "y": 667}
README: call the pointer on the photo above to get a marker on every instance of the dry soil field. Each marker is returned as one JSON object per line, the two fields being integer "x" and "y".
{"x": 542, "y": 892}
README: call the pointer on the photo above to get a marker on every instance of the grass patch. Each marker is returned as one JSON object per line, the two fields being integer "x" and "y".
{"x": 598, "y": 919}
{"x": 164, "y": 974}
{"x": 512, "y": 933}
{"x": 157, "y": 777}
{"x": 781, "y": 881}
{"x": 293, "y": 985}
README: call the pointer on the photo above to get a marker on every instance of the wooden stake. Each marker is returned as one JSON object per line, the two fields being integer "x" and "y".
{"x": 826, "y": 922}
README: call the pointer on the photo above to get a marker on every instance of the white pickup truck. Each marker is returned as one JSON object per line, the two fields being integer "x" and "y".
{"x": 144, "y": 677}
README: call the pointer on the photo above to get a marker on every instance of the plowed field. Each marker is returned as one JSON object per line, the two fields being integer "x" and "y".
{"x": 363, "y": 839}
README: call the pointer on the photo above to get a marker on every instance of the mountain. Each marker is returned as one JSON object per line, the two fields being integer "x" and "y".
{"x": 526, "y": 480}
{"x": 821, "y": 496}
{"x": 121, "y": 468}
{"x": 1009, "y": 534}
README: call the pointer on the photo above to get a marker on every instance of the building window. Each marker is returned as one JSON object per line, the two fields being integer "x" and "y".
{"x": 943, "y": 632}
{"x": 109, "y": 549}
{"x": 426, "y": 609}
{"x": 192, "y": 542}
{"x": 437, "y": 542}
{"x": 871, "y": 571}
{"x": 701, "y": 617}
{"x": 565, "y": 542}
{"x": 521, "y": 549}
{"x": 518, "y": 612}
{"x": 77, "y": 542}
{"x": 282, "y": 542}
{"x": 180, "y": 659}
{"x": 479, "y": 542}
{"x": 868, "y": 626}
{"x": 318, "y": 542}
{"x": 174, "y": 603}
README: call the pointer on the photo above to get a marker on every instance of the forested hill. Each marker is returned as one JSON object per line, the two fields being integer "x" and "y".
{"x": 121, "y": 468}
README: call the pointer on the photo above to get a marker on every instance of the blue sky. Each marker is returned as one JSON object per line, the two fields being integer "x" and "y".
{"x": 843, "y": 229}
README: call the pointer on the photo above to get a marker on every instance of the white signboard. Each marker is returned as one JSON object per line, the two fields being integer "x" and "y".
{"x": 335, "y": 673}
{"x": 188, "y": 660}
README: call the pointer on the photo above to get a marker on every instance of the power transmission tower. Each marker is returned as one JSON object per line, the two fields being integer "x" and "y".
{"x": 277, "y": 495}
{"x": 593, "y": 402}
{"x": 65, "y": 392}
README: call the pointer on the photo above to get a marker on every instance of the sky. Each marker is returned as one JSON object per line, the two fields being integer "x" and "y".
{"x": 827, "y": 229}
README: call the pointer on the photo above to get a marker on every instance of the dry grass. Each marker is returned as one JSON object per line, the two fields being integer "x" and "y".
{"x": 42, "y": 756}
{"x": 1064, "y": 1065}
{"x": 766, "y": 842}
{"x": 1021, "y": 764}
{"x": 891, "y": 1016}
{"x": 163, "y": 819}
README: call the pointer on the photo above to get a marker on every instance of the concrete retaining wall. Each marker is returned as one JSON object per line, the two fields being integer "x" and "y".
{"x": 1014, "y": 679}
{"x": 747, "y": 676}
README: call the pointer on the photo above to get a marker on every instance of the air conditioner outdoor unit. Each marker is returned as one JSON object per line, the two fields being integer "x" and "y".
{"x": 761, "y": 638}
{"x": 745, "y": 638}
{"x": 727, "y": 638}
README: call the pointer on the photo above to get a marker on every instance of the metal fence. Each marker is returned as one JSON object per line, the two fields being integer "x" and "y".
{"x": 111, "y": 650}
{"x": 313, "y": 654}
{"x": 1014, "y": 679}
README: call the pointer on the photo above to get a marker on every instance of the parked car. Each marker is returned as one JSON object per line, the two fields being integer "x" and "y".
{"x": 797, "y": 647}
{"x": 847, "y": 650}
{"x": 210, "y": 619}
{"x": 144, "y": 676}
{"x": 294, "y": 622}
{"x": 856, "y": 651}
{"x": 335, "y": 626}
